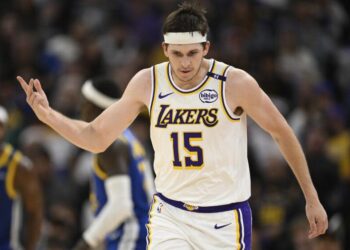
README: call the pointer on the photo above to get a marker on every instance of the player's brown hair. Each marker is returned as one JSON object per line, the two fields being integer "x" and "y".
{"x": 188, "y": 17}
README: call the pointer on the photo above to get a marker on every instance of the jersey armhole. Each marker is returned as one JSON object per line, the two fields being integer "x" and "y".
{"x": 232, "y": 117}
{"x": 6, "y": 155}
{"x": 153, "y": 90}
{"x": 98, "y": 170}
{"x": 10, "y": 177}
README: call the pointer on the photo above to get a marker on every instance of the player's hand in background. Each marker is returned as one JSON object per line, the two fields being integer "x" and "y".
{"x": 317, "y": 218}
{"x": 36, "y": 98}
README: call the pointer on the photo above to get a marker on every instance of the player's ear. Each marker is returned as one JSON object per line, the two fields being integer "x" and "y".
{"x": 165, "y": 49}
{"x": 206, "y": 47}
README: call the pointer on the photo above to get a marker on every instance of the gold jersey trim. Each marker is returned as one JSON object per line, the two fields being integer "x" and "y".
{"x": 148, "y": 225}
{"x": 5, "y": 155}
{"x": 154, "y": 90}
{"x": 223, "y": 99}
{"x": 98, "y": 170}
{"x": 10, "y": 177}
{"x": 238, "y": 229}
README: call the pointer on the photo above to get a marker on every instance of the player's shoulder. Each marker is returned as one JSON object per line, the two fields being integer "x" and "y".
{"x": 143, "y": 76}
{"x": 139, "y": 87}
{"x": 24, "y": 163}
{"x": 236, "y": 75}
{"x": 240, "y": 86}
{"x": 15, "y": 157}
{"x": 240, "y": 80}
{"x": 233, "y": 74}
{"x": 25, "y": 169}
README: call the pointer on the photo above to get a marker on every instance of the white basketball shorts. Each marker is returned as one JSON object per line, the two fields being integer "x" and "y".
{"x": 175, "y": 225}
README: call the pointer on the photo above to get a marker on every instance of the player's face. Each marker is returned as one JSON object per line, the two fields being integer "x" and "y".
{"x": 185, "y": 59}
{"x": 88, "y": 111}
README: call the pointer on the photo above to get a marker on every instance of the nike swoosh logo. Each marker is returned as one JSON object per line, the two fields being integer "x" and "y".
{"x": 218, "y": 227}
{"x": 163, "y": 96}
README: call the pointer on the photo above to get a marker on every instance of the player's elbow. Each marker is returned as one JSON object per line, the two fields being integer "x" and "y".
{"x": 97, "y": 140}
{"x": 100, "y": 145}
{"x": 97, "y": 149}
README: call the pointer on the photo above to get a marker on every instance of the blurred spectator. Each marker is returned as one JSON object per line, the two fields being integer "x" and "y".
{"x": 277, "y": 203}
{"x": 323, "y": 169}
{"x": 60, "y": 150}
{"x": 19, "y": 191}
{"x": 296, "y": 63}
{"x": 339, "y": 141}
{"x": 298, "y": 234}
{"x": 62, "y": 227}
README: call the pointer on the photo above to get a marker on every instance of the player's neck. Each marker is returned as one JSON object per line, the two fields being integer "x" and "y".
{"x": 196, "y": 79}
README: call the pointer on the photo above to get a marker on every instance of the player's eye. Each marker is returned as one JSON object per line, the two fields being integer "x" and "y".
{"x": 177, "y": 54}
{"x": 193, "y": 53}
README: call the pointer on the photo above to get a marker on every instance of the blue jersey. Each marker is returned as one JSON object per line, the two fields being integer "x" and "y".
{"x": 131, "y": 234}
{"x": 9, "y": 159}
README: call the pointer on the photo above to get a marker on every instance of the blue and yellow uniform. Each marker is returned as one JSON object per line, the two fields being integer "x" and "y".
{"x": 131, "y": 234}
{"x": 9, "y": 159}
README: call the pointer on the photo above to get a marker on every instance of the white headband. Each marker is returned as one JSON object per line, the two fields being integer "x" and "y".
{"x": 3, "y": 115}
{"x": 184, "y": 37}
{"x": 96, "y": 97}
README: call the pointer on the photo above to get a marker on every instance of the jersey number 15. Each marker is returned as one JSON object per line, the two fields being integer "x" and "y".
{"x": 194, "y": 160}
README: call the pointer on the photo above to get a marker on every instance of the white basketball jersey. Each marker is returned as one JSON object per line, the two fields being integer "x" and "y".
{"x": 200, "y": 145}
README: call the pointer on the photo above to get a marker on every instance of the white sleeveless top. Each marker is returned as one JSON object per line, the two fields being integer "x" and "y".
{"x": 200, "y": 145}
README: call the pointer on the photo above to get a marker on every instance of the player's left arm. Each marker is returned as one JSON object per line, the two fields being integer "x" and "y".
{"x": 27, "y": 185}
{"x": 243, "y": 91}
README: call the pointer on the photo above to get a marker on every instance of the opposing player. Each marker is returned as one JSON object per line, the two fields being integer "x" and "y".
{"x": 122, "y": 181}
{"x": 198, "y": 109}
{"x": 18, "y": 182}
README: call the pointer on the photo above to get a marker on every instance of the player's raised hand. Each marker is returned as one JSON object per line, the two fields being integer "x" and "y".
{"x": 317, "y": 218}
{"x": 36, "y": 97}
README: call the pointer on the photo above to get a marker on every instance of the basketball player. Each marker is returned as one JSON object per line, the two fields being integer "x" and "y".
{"x": 198, "y": 110}
{"x": 18, "y": 182}
{"x": 122, "y": 183}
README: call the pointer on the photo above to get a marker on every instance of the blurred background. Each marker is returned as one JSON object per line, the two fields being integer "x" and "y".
{"x": 298, "y": 50}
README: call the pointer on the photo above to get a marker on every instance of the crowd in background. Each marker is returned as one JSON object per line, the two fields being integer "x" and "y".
{"x": 297, "y": 50}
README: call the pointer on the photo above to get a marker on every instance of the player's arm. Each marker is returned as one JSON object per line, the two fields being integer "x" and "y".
{"x": 243, "y": 91}
{"x": 97, "y": 135}
{"x": 27, "y": 185}
{"x": 119, "y": 206}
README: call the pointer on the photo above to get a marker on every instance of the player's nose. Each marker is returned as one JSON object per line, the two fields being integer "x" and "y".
{"x": 185, "y": 63}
